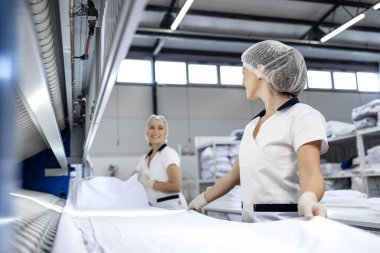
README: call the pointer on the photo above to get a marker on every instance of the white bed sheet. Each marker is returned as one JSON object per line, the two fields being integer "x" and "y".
{"x": 148, "y": 229}
{"x": 107, "y": 193}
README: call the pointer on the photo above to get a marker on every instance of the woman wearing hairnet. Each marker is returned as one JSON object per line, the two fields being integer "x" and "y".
{"x": 278, "y": 166}
{"x": 159, "y": 170}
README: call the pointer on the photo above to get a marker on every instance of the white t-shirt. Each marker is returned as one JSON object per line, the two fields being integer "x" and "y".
{"x": 157, "y": 171}
{"x": 268, "y": 163}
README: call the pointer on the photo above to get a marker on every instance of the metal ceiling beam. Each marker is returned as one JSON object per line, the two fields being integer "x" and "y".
{"x": 358, "y": 4}
{"x": 168, "y": 34}
{"x": 316, "y": 24}
{"x": 238, "y": 16}
{"x": 166, "y": 22}
{"x": 147, "y": 50}
{"x": 234, "y": 55}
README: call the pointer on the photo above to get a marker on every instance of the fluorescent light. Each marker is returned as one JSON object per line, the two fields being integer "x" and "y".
{"x": 343, "y": 27}
{"x": 377, "y": 6}
{"x": 181, "y": 14}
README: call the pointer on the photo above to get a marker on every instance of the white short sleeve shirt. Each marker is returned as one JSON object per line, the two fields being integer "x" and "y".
{"x": 268, "y": 163}
{"x": 157, "y": 171}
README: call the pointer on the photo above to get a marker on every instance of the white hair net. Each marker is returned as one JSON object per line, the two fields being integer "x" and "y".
{"x": 157, "y": 117}
{"x": 283, "y": 66}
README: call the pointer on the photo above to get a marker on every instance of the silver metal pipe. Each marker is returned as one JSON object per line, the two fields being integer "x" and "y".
{"x": 72, "y": 51}
{"x": 42, "y": 23}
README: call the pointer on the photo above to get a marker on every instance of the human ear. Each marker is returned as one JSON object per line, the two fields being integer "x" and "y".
{"x": 262, "y": 69}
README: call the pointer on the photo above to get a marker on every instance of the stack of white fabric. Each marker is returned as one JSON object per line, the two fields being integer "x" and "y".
{"x": 373, "y": 164}
{"x": 349, "y": 198}
{"x": 374, "y": 203}
{"x": 215, "y": 162}
{"x": 366, "y": 115}
{"x": 338, "y": 128}
{"x": 373, "y": 155}
{"x": 330, "y": 168}
{"x": 346, "y": 198}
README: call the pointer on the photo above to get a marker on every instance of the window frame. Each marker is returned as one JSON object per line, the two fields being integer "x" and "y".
{"x": 219, "y": 65}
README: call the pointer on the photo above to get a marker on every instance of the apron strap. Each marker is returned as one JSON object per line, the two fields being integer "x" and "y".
{"x": 168, "y": 198}
{"x": 275, "y": 208}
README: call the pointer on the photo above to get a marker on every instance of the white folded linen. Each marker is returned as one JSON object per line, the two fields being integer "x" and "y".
{"x": 338, "y": 128}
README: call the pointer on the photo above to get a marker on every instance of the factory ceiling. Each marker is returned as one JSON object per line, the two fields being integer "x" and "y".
{"x": 226, "y": 28}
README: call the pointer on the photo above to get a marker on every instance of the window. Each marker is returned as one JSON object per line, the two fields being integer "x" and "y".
{"x": 231, "y": 75}
{"x": 344, "y": 81}
{"x": 204, "y": 74}
{"x": 135, "y": 71}
{"x": 368, "y": 81}
{"x": 170, "y": 72}
{"x": 319, "y": 79}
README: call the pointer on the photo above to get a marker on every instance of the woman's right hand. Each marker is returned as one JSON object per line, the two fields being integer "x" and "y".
{"x": 145, "y": 180}
{"x": 198, "y": 203}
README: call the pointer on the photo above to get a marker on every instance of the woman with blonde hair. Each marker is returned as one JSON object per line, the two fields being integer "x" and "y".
{"x": 159, "y": 170}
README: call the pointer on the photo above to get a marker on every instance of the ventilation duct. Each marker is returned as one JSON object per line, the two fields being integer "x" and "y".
{"x": 41, "y": 17}
{"x": 38, "y": 87}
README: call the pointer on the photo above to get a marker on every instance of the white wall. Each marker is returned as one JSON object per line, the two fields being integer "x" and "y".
{"x": 121, "y": 131}
{"x": 196, "y": 111}
{"x": 190, "y": 112}
{"x": 126, "y": 165}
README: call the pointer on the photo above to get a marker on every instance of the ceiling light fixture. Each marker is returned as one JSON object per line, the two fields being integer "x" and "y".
{"x": 181, "y": 14}
{"x": 342, "y": 27}
{"x": 376, "y": 6}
